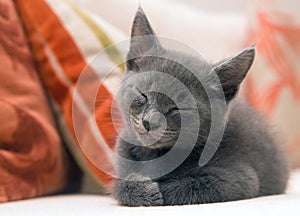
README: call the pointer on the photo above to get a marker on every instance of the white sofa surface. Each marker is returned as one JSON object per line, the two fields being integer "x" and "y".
{"x": 83, "y": 204}
{"x": 100, "y": 205}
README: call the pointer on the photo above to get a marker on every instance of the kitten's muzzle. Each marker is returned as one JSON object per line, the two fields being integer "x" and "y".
{"x": 151, "y": 125}
{"x": 154, "y": 121}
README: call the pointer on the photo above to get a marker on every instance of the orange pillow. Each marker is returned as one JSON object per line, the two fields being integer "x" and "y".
{"x": 32, "y": 159}
{"x": 64, "y": 39}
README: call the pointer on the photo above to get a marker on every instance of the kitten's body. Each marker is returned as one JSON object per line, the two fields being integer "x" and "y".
{"x": 248, "y": 162}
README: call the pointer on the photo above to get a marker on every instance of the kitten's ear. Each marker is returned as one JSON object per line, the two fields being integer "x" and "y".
{"x": 141, "y": 25}
{"x": 143, "y": 39}
{"x": 232, "y": 71}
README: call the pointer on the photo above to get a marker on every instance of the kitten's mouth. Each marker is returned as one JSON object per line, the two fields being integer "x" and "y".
{"x": 152, "y": 138}
{"x": 150, "y": 141}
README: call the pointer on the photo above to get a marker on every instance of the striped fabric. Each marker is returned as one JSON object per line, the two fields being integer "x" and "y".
{"x": 65, "y": 39}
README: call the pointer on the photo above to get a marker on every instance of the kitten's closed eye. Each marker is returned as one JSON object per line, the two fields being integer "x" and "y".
{"x": 139, "y": 101}
{"x": 174, "y": 110}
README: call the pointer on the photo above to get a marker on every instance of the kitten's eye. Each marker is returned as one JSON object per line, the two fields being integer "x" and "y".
{"x": 174, "y": 110}
{"x": 140, "y": 100}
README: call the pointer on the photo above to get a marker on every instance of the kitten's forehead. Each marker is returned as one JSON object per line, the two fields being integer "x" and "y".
{"x": 153, "y": 81}
{"x": 174, "y": 63}
{"x": 183, "y": 67}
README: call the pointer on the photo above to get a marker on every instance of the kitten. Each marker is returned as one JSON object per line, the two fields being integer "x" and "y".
{"x": 248, "y": 162}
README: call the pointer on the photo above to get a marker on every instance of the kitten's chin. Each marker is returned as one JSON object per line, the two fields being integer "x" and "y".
{"x": 151, "y": 143}
{"x": 159, "y": 145}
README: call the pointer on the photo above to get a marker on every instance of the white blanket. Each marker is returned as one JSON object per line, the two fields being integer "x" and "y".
{"x": 284, "y": 205}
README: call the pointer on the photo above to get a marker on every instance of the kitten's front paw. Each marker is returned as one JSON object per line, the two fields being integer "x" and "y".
{"x": 138, "y": 191}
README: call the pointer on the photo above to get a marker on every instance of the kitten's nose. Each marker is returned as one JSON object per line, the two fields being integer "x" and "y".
{"x": 150, "y": 125}
{"x": 146, "y": 125}
{"x": 152, "y": 121}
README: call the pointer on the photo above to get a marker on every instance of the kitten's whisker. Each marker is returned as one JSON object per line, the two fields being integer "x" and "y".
{"x": 191, "y": 133}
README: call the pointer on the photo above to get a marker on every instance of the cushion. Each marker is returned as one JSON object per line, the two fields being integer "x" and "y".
{"x": 65, "y": 39}
{"x": 32, "y": 158}
{"x": 273, "y": 85}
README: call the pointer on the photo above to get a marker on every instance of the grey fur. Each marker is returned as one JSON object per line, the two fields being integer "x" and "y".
{"x": 249, "y": 161}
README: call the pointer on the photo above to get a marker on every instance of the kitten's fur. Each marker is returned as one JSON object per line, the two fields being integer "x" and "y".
{"x": 248, "y": 163}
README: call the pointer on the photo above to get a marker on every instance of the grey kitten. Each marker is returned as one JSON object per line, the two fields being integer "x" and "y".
{"x": 248, "y": 162}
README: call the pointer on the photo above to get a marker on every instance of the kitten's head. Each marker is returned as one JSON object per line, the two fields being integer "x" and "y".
{"x": 159, "y": 87}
